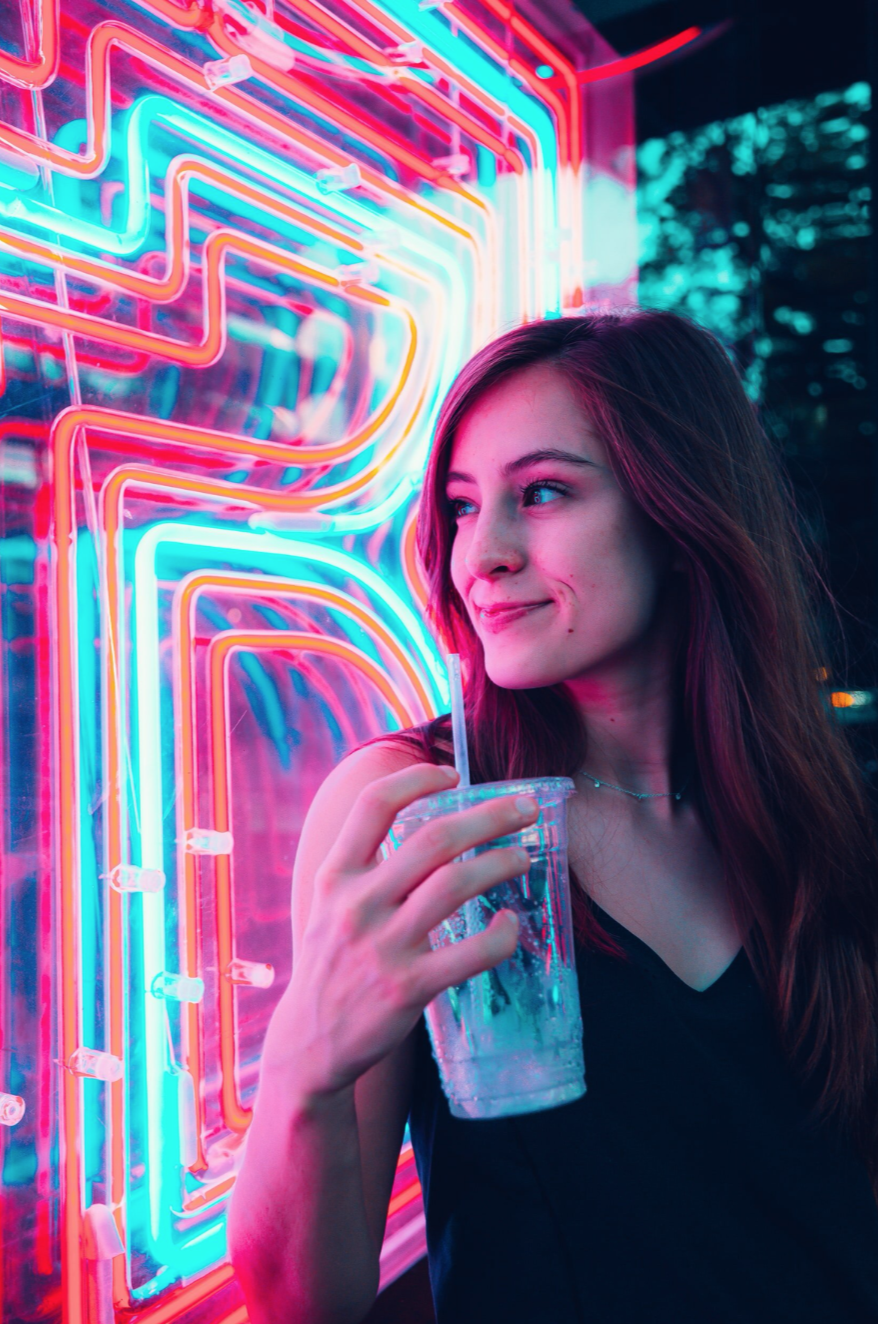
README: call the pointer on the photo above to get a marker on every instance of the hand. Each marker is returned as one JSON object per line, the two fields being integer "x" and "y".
{"x": 364, "y": 970}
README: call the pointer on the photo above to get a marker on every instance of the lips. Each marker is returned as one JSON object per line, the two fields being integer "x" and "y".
{"x": 501, "y": 614}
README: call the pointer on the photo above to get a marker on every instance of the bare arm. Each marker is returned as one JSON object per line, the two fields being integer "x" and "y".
{"x": 306, "y": 1197}
{"x": 310, "y": 1203}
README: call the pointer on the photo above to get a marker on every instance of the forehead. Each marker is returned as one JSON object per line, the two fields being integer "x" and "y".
{"x": 528, "y": 410}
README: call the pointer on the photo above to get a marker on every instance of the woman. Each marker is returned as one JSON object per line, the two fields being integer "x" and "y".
{"x": 610, "y": 547}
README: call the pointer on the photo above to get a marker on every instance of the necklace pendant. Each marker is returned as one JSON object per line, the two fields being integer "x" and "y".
{"x": 597, "y": 783}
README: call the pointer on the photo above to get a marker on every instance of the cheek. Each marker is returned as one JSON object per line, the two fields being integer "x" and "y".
{"x": 457, "y": 566}
{"x": 615, "y": 570}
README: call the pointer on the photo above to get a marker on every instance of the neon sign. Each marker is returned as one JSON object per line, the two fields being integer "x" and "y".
{"x": 243, "y": 251}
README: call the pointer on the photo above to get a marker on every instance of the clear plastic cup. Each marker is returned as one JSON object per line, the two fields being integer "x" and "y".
{"x": 510, "y": 1040}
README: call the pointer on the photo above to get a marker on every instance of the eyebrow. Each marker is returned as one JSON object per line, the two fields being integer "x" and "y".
{"x": 523, "y": 462}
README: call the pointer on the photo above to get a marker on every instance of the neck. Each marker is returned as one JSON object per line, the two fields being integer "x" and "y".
{"x": 627, "y": 707}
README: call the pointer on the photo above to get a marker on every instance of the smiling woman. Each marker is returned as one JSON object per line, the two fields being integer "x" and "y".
{"x": 610, "y": 547}
{"x": 546, "y": 539}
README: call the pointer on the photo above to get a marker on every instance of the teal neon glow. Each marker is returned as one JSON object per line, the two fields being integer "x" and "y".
{"x": 359, "y": 521}
{"x": 91, "y": 867}
{"x": 138, "y": 163}
{"x": 268, "y": 553}
{"x": 445, "y": 276}
{"x": 432, "y": 27}
{"x": 304, "y": 361}
{"x": 537, "y": 208}
{"x": 263, "y": 551}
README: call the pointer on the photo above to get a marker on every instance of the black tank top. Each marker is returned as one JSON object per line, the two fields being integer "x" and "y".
{"x": 687, "y": 1186}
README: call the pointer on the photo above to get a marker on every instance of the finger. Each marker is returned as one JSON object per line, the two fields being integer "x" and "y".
{"x": 448, "y": 888}
{"x": 377, "y": 805}
{"x": 460, "y": 961}
{"x": 441, "y": 840}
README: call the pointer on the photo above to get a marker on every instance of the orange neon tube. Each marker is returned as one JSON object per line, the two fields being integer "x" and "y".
{"x": 36, "y": 74}
{"x": 181, "y": 1298}
{"x": 90, "y": 164}
{"x": 112, "y": 493}
{"x": 211, "y": 346}
{"x": 220, "y": 650}
{"x": 166, "y": 288}
{"x": 111, "y": 33}
{"x": 443, "y": 104}
{"x": 353, "y": 119}
{"x": 411, "y": 567}
{"x": 184, "y": 627}
{"x": 65, "y": 430}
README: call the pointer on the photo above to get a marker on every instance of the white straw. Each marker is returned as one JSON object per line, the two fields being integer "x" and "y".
{"x": 458, "y": 720}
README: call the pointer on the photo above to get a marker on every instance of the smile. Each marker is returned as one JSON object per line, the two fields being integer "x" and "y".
{"x": 497, "y": 618}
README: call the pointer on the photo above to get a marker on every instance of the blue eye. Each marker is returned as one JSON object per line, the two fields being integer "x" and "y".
{"x": 541, "y": 494}
{"x": 458, "y": 507}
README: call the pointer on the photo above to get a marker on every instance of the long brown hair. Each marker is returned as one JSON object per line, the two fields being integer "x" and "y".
{"x": 775, "y": 782}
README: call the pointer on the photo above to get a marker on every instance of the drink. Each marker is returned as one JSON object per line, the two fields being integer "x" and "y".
{"x": 510, "y": 1040}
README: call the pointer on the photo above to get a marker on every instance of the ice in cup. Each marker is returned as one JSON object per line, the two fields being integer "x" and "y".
{"x": 510, "y": 1040}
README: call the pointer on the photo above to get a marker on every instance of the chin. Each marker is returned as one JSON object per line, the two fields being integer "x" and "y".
{"x": 512, "y": 673}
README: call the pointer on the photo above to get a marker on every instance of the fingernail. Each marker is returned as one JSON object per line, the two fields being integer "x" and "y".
{"x": 525, "y": 805}
{"x": 522, "y": 857}
{"x": 450, "y": 773}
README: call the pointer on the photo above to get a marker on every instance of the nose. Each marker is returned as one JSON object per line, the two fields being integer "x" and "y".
{"x": 494, "y": 548}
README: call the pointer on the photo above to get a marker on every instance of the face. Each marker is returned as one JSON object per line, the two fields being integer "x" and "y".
{"x": 560, "y": 572}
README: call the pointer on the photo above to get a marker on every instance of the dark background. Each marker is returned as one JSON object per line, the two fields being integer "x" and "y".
{"x": 816, "y": 387}
{"x": 819, "y": 405}
{"x": 773, "y": 50}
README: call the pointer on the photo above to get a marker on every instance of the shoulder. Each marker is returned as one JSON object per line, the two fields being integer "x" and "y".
{"x": 336, "y": 794}
{"x": 428, "y": 743}
{"x": 331, "y": 806}
{"x": 367, "y": 764}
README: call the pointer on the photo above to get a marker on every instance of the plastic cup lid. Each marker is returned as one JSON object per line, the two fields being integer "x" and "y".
{"x": 546, "y": 791}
